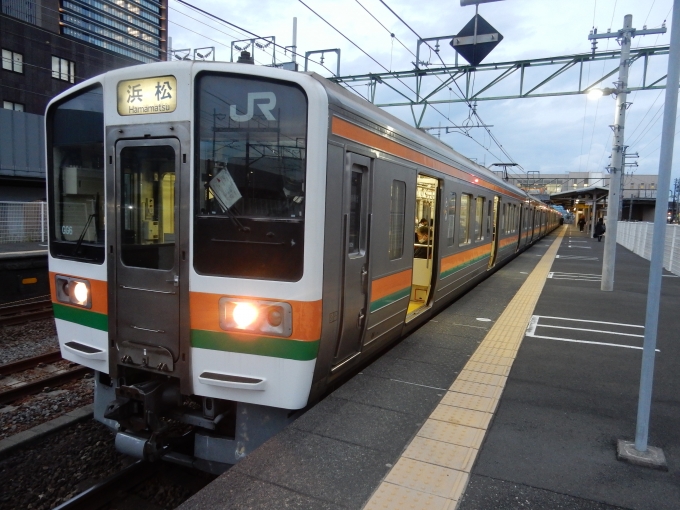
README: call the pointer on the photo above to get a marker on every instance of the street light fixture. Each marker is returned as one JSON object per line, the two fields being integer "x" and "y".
{"x": 607, "y": 91}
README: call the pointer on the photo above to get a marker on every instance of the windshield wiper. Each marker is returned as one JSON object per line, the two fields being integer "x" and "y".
{"x": 82, "y": 234}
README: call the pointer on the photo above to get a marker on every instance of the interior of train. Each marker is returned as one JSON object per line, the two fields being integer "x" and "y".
{"x": 423, "y": 243}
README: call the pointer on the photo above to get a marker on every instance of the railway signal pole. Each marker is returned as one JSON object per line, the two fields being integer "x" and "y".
{"x": 617, "y": 167}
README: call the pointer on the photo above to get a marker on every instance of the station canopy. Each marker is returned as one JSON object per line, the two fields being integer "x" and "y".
{"x": 587, "y": 194}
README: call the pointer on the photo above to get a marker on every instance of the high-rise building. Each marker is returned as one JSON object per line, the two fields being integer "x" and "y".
{"x": 134, "y": 28}
{"x": 48, "y": 46}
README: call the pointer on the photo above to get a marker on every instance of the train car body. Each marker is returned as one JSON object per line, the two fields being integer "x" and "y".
{"x": 227, "y": 240}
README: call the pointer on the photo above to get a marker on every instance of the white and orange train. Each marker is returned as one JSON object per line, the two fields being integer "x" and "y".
{"x": 227, "y": 240}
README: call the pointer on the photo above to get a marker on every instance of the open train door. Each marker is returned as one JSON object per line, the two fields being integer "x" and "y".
{"x": 495, "y": 233}
{"x": 355, "y": 278}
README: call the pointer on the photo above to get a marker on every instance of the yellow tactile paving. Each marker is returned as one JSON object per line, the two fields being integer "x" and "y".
{"x": 394, "y": 497}
{"x": 442, "y": 454}
{"x": 425, "y": 477}
{"x": 482, "y": 378}
{"x": 486, "y": 368}
{"x": 434, "y": 469}
{"x": 492, "y": 360}
{"x": 471, "y": 388}
{"x": 452, "y": 433}
{"x": 465, "y": 401}
{"x": 460, "y": 416}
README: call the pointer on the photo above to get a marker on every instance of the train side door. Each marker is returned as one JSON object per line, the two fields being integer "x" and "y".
{"x": 519, "y": 227}
{"x": 495, "y": 233}
{"x": 356, "y": 231}
{"x": 147, "y": 301}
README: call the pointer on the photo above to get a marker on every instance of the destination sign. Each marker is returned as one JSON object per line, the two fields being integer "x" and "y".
{"x": 147, "y": 95}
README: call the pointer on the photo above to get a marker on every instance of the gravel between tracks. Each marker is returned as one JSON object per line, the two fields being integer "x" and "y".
{"x": 47, "y": 473}
{"x": 36, "y": 409}
{"x": 27, "y": 340}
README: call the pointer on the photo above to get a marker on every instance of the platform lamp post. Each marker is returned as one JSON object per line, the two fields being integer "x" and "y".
{"x": 640, "y": 452}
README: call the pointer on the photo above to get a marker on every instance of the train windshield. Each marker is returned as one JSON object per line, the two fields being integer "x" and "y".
{"x": 75, "y": 130}
{"x": 250, "y": 179}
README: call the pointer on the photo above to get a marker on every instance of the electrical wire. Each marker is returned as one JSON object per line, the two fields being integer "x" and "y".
{"x": 369, "y": 56}
{"x": 462, "y": 96}
{"x": 213, "y": 16}
{"x": 387, "y": 29}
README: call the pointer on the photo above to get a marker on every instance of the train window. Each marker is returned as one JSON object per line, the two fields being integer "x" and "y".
{"x": 397, "y": 215}
{"x": 250, "y": 177}
{"x": 452, "y": 220}
{"x": 465, "y": 203}
{"x": 479, "y": 217}
{"x": 75, "y": 132}
{"x": 354, "y": 244}
{"x": 488, "y": 218}
{"x": 148, "y": 206}
{"x": 502, "y": 229}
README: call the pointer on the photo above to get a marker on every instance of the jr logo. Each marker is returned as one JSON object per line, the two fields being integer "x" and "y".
{"x": 266, "y": 108}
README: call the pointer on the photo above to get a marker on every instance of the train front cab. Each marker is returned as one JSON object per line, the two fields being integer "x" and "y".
{"x": 159, "y": 256}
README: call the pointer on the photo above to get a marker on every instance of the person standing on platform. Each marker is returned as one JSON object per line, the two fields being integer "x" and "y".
{"x": 581, "y": 223}
{"x": 600, "y": 229}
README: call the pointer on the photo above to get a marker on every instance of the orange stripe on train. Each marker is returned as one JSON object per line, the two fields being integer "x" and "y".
{"x": 457, "y": 259}
{"x": 390, "y": 284}
{"x": 307, "y": 315}
{"x": 351, "y": 131}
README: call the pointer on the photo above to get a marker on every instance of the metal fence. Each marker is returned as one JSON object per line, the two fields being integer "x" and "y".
{"x": 22, "y": 222}
{"x": 637, "y": 237}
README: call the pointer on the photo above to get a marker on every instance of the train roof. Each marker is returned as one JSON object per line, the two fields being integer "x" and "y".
{"x": 338, "y": 96}
{"x": 345, "y": 99}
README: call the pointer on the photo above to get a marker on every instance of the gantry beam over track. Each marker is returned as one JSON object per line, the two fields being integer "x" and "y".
{"x": 528, "y": 85}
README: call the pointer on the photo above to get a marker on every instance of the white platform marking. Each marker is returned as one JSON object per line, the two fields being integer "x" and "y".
{"x": 575, "y": 257}
{"x": 535, "y": 323}
{"x": 556, "y": 275}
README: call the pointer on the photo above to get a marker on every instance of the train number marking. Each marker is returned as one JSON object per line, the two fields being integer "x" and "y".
{"x": 66, "y": 230}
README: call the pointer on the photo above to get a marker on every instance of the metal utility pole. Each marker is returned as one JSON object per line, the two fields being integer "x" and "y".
{"x": 616, "y": 169}
{"x": 641, "y": 452}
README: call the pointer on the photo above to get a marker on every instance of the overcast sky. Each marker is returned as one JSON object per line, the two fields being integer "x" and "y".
{"x": 554, "y": 134}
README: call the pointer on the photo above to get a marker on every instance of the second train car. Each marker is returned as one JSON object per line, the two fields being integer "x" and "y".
{"x": 227, "y": 240}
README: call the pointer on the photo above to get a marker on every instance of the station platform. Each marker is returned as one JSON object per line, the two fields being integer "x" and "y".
{"x": 512, "y": 397}
{"x": 19, "y": 250}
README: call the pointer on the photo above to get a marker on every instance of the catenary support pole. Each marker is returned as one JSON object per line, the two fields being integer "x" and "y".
{"x": 617, "y": 165}
{"x": 658, "y": 240}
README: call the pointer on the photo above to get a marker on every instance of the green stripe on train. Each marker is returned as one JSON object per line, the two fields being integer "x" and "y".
{"x": 260, "y": 346}
{"x": 81, "y": 316}
{"x": 389, "y": 299}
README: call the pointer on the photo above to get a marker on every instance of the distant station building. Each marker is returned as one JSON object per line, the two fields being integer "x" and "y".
{"x": 47, "y": 47}
{"x": 638, "y": 189}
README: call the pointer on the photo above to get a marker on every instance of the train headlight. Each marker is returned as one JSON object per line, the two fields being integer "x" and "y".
{"x": 268, "y": 317}
{"x": 73, "y": 291}
{"x": 244, "y": 314}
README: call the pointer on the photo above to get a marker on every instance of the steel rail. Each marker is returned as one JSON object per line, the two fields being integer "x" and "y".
{"x": 13, "y": 314}
{"x": 37, "y": 385}
{"x": 28, "y": 363}
{"x": 107, "y": 490}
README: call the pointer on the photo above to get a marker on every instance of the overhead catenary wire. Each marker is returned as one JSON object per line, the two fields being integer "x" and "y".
{"x": 462, "y": 96}
{"x": 213, "y": 16}
{"x": 365, "y": 53}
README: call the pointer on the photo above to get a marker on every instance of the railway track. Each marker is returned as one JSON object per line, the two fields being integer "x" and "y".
{"x": 20, "y": 312}
{"x": 17, "y": 388}
{"x": 108, "y": 490}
